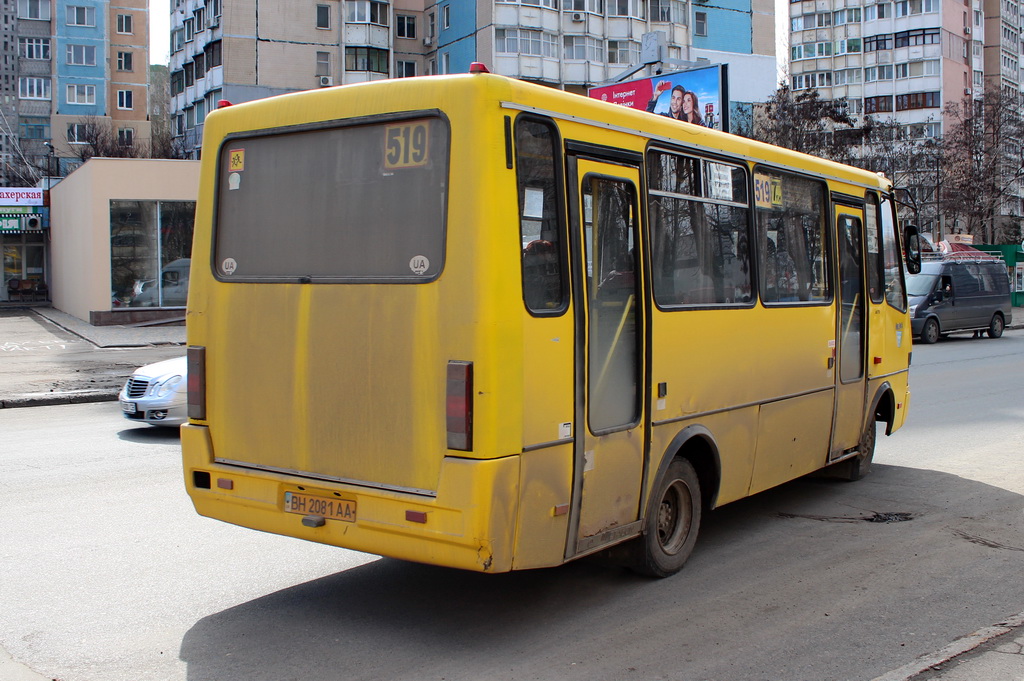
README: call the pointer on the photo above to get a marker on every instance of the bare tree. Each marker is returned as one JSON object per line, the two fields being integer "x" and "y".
{"x": 97, "y": 138}
{"x": 910, "y": 158}
{"x": 983, "y": 167}
{"x": 805, "y": 122}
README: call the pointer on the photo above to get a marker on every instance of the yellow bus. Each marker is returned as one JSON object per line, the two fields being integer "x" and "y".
{"x": 475, "y": 322}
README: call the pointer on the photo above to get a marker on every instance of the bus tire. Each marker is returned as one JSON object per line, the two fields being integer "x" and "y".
{"x": 672, "y": 522}
{"x": 860, "y": 465}
{"x": 930, "y": 333}
{"x": 996, "y": 326}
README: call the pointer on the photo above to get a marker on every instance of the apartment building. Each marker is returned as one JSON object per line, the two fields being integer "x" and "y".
{"x": 227, "y": 49}
{"x": 70, "y": 66}
{"x": 902, "y": 60}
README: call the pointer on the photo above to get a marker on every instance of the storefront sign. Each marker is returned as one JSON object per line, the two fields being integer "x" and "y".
{"x": 20, "y": 196}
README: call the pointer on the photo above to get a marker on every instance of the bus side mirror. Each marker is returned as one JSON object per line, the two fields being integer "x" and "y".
{"x": 912, "y": 246}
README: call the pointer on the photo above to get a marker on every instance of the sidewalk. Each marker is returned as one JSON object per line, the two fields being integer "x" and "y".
{"x": 49, "y": 357}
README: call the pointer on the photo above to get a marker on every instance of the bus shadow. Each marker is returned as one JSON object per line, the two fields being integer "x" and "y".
{"x": 780, "y": 558}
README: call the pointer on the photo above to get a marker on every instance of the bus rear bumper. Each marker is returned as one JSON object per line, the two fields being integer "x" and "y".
{"x": 470, "y": 524}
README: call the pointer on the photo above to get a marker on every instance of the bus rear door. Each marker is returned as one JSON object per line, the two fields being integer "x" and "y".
{"x": 609, "y": 304}
{"x": 848, "y": 421}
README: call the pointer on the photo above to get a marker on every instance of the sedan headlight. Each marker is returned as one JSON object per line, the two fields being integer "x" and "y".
{"x": 167, "y": 386}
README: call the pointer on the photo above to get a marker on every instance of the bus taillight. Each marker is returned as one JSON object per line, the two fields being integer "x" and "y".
{"x": 459, "y": 405}
{"x": 196, "y": 382}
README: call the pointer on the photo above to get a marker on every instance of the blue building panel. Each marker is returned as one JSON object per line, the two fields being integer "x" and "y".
{"x": 456, "y": 40}
{"x": 80, "y": 26}
{"x": 729, "y": 29}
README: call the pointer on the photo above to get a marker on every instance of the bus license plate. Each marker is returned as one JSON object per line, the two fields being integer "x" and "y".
{"x": 128, "y": 407}
{"x": 332, "y": 509}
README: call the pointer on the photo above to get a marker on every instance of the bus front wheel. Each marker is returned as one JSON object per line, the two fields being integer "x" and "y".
{"x": 673, "y": 519}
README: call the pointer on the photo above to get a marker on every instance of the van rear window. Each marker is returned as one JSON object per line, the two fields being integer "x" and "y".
{"x": 354, "y": 203}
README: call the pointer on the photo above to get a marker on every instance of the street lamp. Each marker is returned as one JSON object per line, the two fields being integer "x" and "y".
{"x": 49, "y": 163}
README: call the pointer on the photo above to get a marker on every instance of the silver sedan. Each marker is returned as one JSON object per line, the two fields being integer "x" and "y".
{"x": 156, "y": 394}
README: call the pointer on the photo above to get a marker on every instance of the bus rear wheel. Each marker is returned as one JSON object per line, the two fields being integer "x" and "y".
{"x": 672, "y": 523}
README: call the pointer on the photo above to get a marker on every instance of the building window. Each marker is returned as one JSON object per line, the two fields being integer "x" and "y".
{"x": 582, "y": 47}
{"x": 190, "y": 29}
{"x": 177, "y": 40}
{"x": 34, "y": 48}
{"x": 405, "y": 69}
{"x": 34, "y": 88}
{"x": 124, "y": 100}
{"x": 623, "y": 52}
{"x": 370, "y": 59}
{"x": 124, "y": 61}
{"x": 81, "y": 55}
{"x": 124, "y": 24}
{"x": 446, "y": 18}
{"x": 200, "y": 17}
{"x": 35, "y": 128}
{"x": 593, "y": 6}
{"x": 81, "y": 94}
{"x": 81, "y": 16}
{"x": 214, "y": 7}
{"x": 881, "y": 72}
{"x": 700, "y": 24}
{"x": 918, "y": 100}
{"x": 34, "y": 9}
{"x": 882, "y": 104}
{"x": 126, "y": 136}
{"x": 366, "y": 12}
{"x": 190, "y": 74}
{"x": 524, "y": 41}
{"x": 627, "y": 8}
{"x": 671, "y": 11}
{"x": 199, "y": 64}
{"x": 323, "y": 63}
{"x": 878, "y": 42}
{"x": 150, "y": 247}
{"x": 405, "y": 26}
{"x": 323, "y": 16}
{"x": 924, "y": 36}
{"x": 213, "y": 54}
{"x": 78, "y": 133}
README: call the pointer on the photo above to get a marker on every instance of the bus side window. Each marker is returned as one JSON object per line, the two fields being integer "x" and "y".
{"x": 540, "y": 216}
{"x": 792, "y": 260}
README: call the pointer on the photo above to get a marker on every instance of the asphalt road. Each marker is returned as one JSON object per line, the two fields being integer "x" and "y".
{"x": 109, "y": 574}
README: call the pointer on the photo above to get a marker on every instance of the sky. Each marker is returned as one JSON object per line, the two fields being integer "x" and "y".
{"x": 159, "y": 31}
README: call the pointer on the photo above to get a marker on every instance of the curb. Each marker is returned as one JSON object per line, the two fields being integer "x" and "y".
{"x": 58, "y": 398}
{"x": 960, "y": 646}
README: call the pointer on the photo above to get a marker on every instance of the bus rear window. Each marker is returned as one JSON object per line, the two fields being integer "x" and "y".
{"x": 357, "y": 203}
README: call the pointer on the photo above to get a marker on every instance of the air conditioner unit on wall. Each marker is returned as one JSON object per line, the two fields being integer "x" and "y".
{"x": 577, "y": 16}
{"x": 428, "y": 40}
{"x": 968, "y": 91}
{"x": 325, "y": 81}
{"x": 213, "y": 22}
{"x": 967, "y": 30}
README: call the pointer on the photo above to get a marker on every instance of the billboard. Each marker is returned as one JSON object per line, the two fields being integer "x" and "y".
{"x": 700, "y": 96}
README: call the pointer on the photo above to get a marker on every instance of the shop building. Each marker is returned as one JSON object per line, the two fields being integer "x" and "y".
{"x": 23, "y": 240}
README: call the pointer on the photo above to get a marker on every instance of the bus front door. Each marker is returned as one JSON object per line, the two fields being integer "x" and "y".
{"x": 609, "y": 413}
{"x": 852, "y": 333}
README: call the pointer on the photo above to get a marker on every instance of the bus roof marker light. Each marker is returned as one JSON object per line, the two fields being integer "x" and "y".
{"x": 478, "y": 67}
{"x": 223, "y": 103}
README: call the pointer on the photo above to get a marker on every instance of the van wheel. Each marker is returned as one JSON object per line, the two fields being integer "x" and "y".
{"x": 930, "y": 332}
{"x": 673, "y": 519}
{"x": 996, "y": 326}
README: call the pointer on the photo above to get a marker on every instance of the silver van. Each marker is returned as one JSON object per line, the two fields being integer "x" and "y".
{"x": 959, "y": 295}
